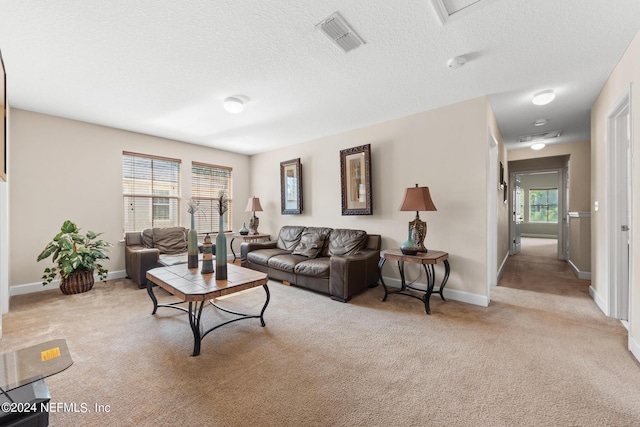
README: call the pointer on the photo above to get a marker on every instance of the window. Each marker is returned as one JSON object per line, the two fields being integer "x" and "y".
{"x": 206, "y": 183}
{"x": 543, "y": 205}
{"x": 150, "y": 191}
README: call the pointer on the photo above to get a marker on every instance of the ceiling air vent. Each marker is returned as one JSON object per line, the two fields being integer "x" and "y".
{"x": 541, "y": 136}
{"x": 337, "y": 29}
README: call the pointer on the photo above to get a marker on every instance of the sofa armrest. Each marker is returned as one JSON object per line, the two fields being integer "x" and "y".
{"x": 352, "y": 274}
{"x": 247, "y": 247}
{"x": 138, "y": 260}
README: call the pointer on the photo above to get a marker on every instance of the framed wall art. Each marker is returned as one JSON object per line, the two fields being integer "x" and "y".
{"x": 355, "y": 178}
{"x": 291, "y": 187}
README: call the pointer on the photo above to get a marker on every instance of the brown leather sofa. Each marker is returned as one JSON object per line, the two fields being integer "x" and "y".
{"x": 337, "y": 262}
{"x": 145, "y": 249}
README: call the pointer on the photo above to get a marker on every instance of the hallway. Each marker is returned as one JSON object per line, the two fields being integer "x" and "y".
{"x": 537, "y": 268}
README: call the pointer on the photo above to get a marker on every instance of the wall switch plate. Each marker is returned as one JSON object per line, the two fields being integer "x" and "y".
{"x": 596, "y": 206}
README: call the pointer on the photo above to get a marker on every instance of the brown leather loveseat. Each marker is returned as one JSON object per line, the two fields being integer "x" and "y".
{"x": 337, "y": 262}
{"x": 144, "y": 250}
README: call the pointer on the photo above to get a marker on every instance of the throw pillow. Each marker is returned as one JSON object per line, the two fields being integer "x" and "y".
{"x": 310, "y": 245}
{"x": 147, "y": 238}
{"x": 170, "y": 240}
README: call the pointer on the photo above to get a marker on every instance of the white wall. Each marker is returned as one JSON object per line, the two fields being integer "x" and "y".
{"x": 444, "y": 149}
{"x": 63, "y": 169}
{"x": 626, "y": 75}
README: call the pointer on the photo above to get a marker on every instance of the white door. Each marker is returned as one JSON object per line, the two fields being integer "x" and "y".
{"x": 619, "y": 209}
{"x": 623, "y": 186}
{"x": 516, "y": 195}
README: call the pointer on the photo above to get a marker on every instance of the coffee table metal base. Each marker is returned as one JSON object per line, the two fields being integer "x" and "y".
{"x": 195, "y": 314}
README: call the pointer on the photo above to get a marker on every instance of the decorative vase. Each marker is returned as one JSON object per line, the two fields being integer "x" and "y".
{"x": 207, "y": 256}
{"x": 244, "y": 230}
{"x": 192, "y": 245}
{"x": 221, "y": 252}
{"x": 77, "y": 282}
{"x": 410, "y": 247}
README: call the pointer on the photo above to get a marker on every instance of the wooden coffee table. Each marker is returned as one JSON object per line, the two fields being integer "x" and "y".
{"x": 190, "y": 286}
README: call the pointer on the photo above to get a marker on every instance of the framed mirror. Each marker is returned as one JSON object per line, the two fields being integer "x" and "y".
{"x": 291, "y": 187}
{"x": 355, "y": 177}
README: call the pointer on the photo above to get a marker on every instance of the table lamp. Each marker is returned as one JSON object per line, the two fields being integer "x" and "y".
{"x": 252, "y": 206}
{"x": 416, "y": 199}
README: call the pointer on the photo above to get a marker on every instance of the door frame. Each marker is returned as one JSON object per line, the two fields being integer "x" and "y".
{"x": 612, "y": 208}
{"x": 563, "y": 208}
{"x": 492, "y": 216}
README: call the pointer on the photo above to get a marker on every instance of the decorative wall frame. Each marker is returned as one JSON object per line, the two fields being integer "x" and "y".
{"x": 291, "y": 187}
{"x": 505, "y": 194}
{"x": 355, "y": 179}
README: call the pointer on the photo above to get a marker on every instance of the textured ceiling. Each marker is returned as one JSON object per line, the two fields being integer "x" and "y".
{"x": 164, "y": 67}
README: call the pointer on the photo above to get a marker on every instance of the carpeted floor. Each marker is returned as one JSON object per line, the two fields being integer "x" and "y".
{"x": 541, "y": 354}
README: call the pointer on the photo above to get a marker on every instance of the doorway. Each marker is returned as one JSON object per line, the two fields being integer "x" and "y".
{"x": 618, "y": 212}
{"x": 539, "y": 208}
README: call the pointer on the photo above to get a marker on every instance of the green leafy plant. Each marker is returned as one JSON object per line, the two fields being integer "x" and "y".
{"x": 73, "y": 251}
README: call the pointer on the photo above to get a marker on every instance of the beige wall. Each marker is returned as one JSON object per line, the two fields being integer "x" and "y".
{"x": 625, "y": 75}
{"x": 440, "y": 149}
{"x": 63, "y": 169}
{"x": 579, "y": 168}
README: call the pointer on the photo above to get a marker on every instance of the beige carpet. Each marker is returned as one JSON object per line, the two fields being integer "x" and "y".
{"x": 541, "y": 354}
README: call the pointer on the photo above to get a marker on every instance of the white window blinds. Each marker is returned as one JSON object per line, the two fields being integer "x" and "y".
{"x": 150, "y": 191}
{"x": 207, "y": 181}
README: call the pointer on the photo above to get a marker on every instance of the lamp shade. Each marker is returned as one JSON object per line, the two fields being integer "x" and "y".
{"x": 253, "y": 205}
{"x": 417, "y": 199}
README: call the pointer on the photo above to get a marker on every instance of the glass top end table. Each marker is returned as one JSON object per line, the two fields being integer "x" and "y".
{"x": 30, "y": 364}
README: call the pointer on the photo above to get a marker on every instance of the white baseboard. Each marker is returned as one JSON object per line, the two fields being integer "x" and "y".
{"x": 29, "y": 288}
{"x": 452, "y": 294}
{"x": 586, "y": 275}
{"x": 634, "y": 347}
{"x": 599, "y": 301}
{"x": 502, "y": 266}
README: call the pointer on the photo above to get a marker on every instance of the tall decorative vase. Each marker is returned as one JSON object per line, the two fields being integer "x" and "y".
{"x": 192, "y": 245}
{"x": 221, "y": 252}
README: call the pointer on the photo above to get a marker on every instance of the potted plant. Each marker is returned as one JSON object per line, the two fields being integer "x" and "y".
{"x": 76, "y": 256}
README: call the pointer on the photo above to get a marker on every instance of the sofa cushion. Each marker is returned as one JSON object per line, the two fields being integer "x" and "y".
{"x": 262, "y": 256}
{"x": 311, "y": 244}
{"x": 318, "y": 267}
{"x": 147, "y": 238}
{"x": 170, "y": 240}
{"x": 289, "y": 237}
{"x": 346, "y": 242}
{"x": 286, "y": 262}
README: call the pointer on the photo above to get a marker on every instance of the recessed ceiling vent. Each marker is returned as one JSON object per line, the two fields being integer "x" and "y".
{"x": 541, "y": 136}
{"x": 339, "y": 31}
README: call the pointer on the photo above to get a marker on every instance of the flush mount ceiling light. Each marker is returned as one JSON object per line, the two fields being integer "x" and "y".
{"x": 233, "y": 105}
{"x": 456, "y": 62}
{"x": 538, "y": 146}
{"x": 540, "y": 122}
{"x": 544, "y": 97}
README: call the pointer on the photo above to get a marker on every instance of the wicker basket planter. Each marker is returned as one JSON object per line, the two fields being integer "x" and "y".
{"x": 77, "y": 282}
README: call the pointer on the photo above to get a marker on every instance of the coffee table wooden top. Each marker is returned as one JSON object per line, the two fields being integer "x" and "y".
{"x": 191, "y": 285}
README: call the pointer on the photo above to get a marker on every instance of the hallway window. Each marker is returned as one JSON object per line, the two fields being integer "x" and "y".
{"x": 543, "y": 205}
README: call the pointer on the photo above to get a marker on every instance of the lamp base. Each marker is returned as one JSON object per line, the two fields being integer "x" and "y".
{"x": 253, "y": 225}
{"x": 419, "y": 229}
